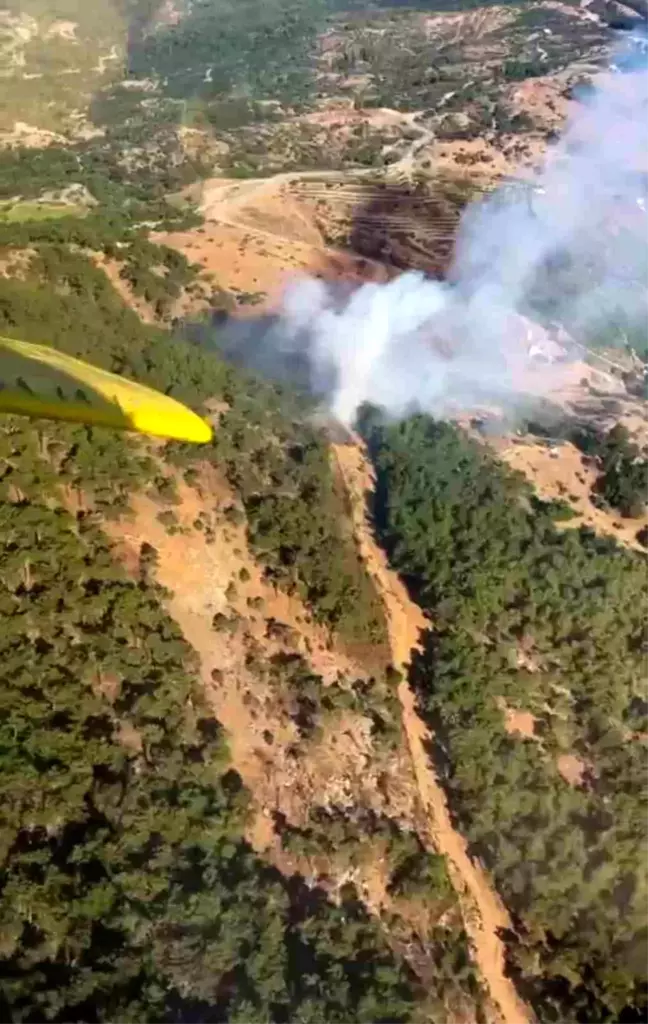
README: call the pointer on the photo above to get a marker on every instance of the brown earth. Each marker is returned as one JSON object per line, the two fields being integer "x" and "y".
{"x": 256, "y": 235}
{"x": 343, "y": 768}
{"x": 199, "y": 574}
{"x": 488, "y": 159}
{"x": 28, "y": 136}
{"x": 544, "y": 98}
{"x": 485, "y": 916}
{"x": 563, "y": 473}
{"x": 259, "y": 234}
{"x": 572, "y": 769}
{"x": 518, "y": 723}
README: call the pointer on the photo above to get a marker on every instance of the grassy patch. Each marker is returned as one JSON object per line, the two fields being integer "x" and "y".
{"x": 16, "y": 213}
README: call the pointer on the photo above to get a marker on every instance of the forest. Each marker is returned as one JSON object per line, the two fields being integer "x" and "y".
{"x": 528, "y": 618}
{"x": 128, "y": 889}
{"x": 622, "y": 482}
{"x": 128, "y": 892}
{"x": 277, "y": 463}
{"x": 243, "y": 74}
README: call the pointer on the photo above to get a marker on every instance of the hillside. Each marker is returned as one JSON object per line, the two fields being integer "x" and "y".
{"x": 482, "y": 86}
{"x": 121, "y": 767}
{"x": 309, "y": 723}
{"x": 528, "y": 675}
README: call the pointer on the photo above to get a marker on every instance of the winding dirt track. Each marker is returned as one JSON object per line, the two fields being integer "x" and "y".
{"x": 483, "y": 912}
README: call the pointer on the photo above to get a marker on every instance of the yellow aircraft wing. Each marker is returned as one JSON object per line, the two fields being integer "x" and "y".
{"x": 36, "y": 380}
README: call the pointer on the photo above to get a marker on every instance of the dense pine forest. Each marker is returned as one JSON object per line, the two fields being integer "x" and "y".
{"x": 527, "y": 617}
{"x": 128, "y": 890}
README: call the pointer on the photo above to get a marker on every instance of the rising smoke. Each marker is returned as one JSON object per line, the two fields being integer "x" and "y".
{"x": 569, "y": 250}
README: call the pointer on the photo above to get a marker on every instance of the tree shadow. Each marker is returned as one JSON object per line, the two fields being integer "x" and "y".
{"x": 259, "y": 344}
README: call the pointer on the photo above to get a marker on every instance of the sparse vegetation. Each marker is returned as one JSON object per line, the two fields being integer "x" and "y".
{"x": 248, "y": 77}
{"x": 309, "y": 701}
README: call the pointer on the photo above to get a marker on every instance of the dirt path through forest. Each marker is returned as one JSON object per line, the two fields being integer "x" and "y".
{"x": 484, "y": 913}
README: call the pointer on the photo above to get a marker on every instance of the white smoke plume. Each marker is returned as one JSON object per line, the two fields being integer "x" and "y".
{"x": 571, "y": 249}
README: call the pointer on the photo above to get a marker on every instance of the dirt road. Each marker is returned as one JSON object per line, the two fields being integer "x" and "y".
{"x": 484, "y": 913}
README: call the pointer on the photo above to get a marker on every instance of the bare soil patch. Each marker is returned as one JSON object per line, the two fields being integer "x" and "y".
{"x": 485, "y": 916}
